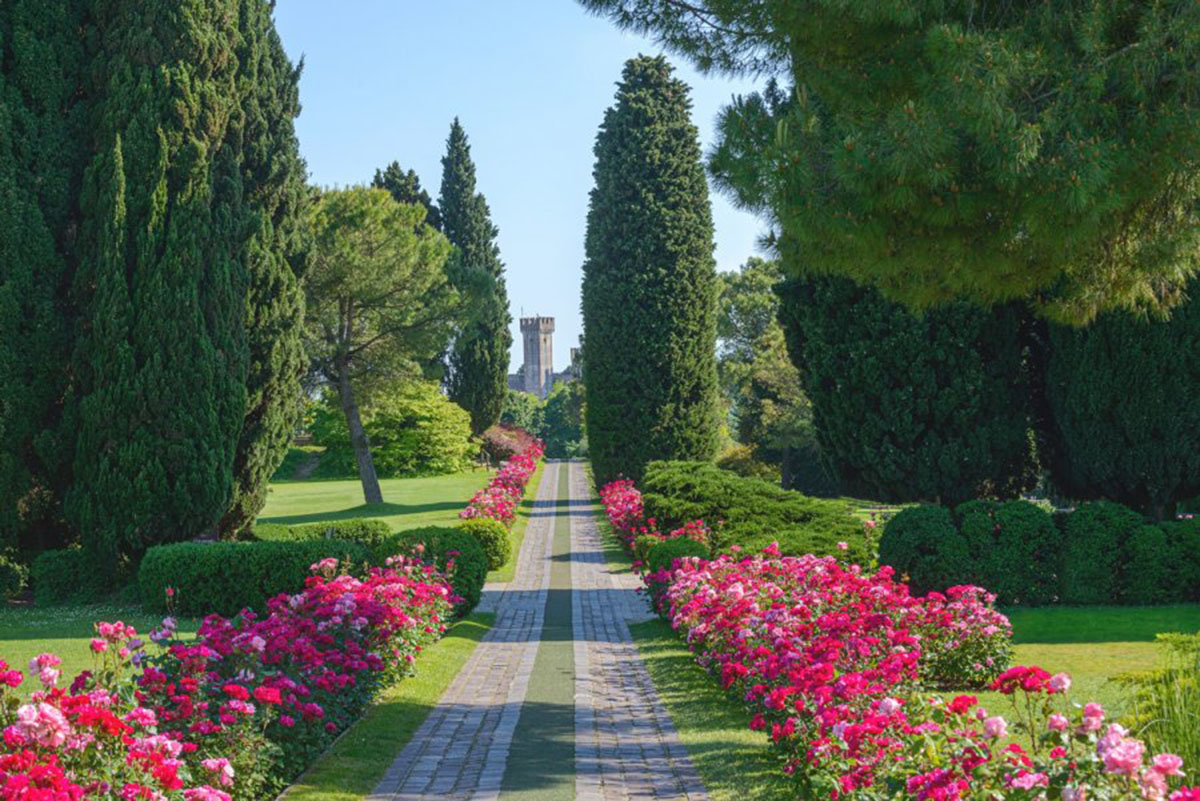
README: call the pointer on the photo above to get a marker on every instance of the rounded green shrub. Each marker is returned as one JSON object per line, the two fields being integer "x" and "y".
{"x": 13, "y": 576}
{"x": 493, "y": 536}
{"x": 1153, "y": 567}
{"x": 63, "y": 576}
{"x": 1015, "y": 550}
{"x": 1095, "y": 535}
{"x": 1183, "y": 539}
{"x": 456, "y": 553}
{"x": 664, "y": 553}
{"x": 922, "y": 543}
{"x": 226, "y": 577}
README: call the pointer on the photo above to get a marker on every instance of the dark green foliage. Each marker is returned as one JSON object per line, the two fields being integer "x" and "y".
{"x": 1124, "y": 419}
{"x": 415, "y": 430}
{"x": 1183, "y": 554}
{"x": 66, "y": 575}
{"x": 562, "y": 420}
{"x": 365, "y": 531}
{"x": 997, "y": 151}
{"x": 748, "y": 512}
{"x": 649, "y": 284}
{"x": 1016, "y": 550}
{"x": 923, "y": 543}
{"x": 493, "y": 536}
{"x": 405, "y": 187}
{"x": 226, "y": 577}
{"x": 13, "y": 577}
{"x": 273, "y": 176}
{"x": 478, "y": 378}
{"x": 446, "y": 546}
{"x": 523, "y": 410}
{"x": 931, "y": 408}
{"x": 1151, "y": 567}
{"x": 1096, "y": 536}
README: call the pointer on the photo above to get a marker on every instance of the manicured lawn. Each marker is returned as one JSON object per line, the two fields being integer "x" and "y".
{"x": 359, "y": 759}
{"x": 408, "y": 502}
{"x": 505, "y": 574}
{"x": 1066, "y": 624}
{"x": 66, "y": 631}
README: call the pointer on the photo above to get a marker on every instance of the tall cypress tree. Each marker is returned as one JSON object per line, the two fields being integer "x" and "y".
{"x": 274, "y": 189}
{"x": 40, "y": 57}
{"x": 649, "y": 282}
{"x": 479, "y": 357}
{"x": 162, "y": 356}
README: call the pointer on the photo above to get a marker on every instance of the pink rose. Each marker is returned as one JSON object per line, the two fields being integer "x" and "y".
{"x": 1167, "y": 764}
{"x": 1058, "y": 722}
{"x": 995, "y": 727}
{"x": 1059, "y": 683}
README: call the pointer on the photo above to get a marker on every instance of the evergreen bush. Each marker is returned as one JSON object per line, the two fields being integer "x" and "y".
{"x": 493, "y": 536}
{"x": 445, "y": 546}
{"x": 64, "y": 576}
{"x": 13, "y": 576}
{"x": 1095, "y": 536}
{"x": 922, "y": 543}
{"x": 1015, "y": 548}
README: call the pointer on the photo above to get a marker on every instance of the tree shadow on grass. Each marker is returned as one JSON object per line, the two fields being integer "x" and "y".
{"x": 384, "y": 509}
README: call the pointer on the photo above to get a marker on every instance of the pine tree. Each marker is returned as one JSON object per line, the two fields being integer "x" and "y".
{"x": 162, "y": 356}
{"x": 1124, "y": 414}
{"x": 275, "y": 193}
{"x": 406, "y": 187}
{"x": 479, "y": 358}
{"x": 41, "y": 127}
{"x": 649, "y": 282}
{"x": 1046, "y": 152}
{"x": 934, "y": 407}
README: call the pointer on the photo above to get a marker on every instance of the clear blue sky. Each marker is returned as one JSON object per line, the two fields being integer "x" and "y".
{"x": 530, "y": 80}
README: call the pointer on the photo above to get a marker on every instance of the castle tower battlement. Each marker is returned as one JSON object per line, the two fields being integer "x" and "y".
{"x": 538, "y": 336}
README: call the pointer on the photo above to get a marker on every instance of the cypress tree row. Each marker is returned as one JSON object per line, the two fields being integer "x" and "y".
{"x": 649, "y": 282}
{"x": 479, "y": 358}
{"x": 1124, "y": 420}
{"x": 908, "y": 408}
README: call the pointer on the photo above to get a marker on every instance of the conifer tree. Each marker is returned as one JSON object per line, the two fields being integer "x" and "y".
{"x": 161, "y": 357}
{"x": 478, "y": 379}
{"x": 405, "y": 187}
{"x": 1046, "y": 152}
{"x": 649, "y": 282}
{"x": 275, "y": 194}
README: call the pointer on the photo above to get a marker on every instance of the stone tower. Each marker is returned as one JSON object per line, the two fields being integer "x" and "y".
{"x": 538, "y": 334}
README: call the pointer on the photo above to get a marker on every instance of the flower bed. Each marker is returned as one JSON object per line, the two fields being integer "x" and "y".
{"x": 237, "y": 712}
{"x": 836, "y": 665}
{"x": 499, "y": 499}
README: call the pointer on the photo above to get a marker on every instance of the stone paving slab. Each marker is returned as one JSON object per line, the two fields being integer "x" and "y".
{"x": 625, "y": 745}
{"x": 461, "y": 749}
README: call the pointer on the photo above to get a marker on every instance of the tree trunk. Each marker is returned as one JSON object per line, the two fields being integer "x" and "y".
{"x": 358, "y": 438}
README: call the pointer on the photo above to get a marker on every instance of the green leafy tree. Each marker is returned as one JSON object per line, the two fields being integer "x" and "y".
{"x": 161, "y": 356}
{"x": 379, "y": 302}
{"x": 405, "y": 187}
{"x": 1124, "y": 420}
{"x": 523, "y": 410}
{"x": 478, "y": 379}
{"x": 562, "y": 426}
{"x": 908, "y": 408}
{"x": 274, "y": 187}
{"x": 649, "y": 283}
{"x": 1048, "y": 152}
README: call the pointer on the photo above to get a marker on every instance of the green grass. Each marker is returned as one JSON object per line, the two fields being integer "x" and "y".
{"x": 505, "y": 574}
{"x": 27, "y": 631}
{"x": 358, "y": 760}
{"x": 1101, "y": 624}
{"x": 297, "y": 456}
{"x": 408, "y": 502}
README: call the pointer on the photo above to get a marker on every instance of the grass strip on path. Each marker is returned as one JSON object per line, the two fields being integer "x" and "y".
{"x": 356, "y": 763}
{"x": 541, "y": 761}
{"x": 503, "y": 575}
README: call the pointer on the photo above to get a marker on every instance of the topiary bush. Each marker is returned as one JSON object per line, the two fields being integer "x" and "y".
{"x": 445, "y": 547}
{"x": 1183, "y": 539}
{"x": 1015, "y": 550}
{"x": 13, "y": 576}
{"x": 63, "y": 576}
{"x": 749, "y": 512}
{"x": 1154, "y": 567}
{"x": 1095, "y": 535}
{"x": 493, "y": 536}
{"x": 922, "y": 543}
{"x": 226, "y": 577}
{"x": 367, "y": 531}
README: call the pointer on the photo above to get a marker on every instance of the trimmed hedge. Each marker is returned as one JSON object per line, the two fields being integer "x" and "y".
{"x": 663, "y": 554}
{"x": 1100, "y": 553}
{"x": 226, "y": 577}
{"x": 493, "y": 536}
{"x": 748, "y": 512}
{"x": 443, "y": 545}
{"x": 63, "y": 576}
{"x": 366, "y": 531}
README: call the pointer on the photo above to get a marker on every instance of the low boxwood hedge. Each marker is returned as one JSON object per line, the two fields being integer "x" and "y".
{"x": 748, "y": 512}
{"x": 367, "y": 531}
{"x": 225, "y": 577}
{"x": 445, "y": 546}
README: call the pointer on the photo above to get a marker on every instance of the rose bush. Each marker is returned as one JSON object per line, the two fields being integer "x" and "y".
{"x": 499, "y": 499}
{"x": 238, "y": 711}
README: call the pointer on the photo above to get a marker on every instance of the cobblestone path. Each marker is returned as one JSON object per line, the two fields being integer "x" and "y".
{"x": 623, "y": 743}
